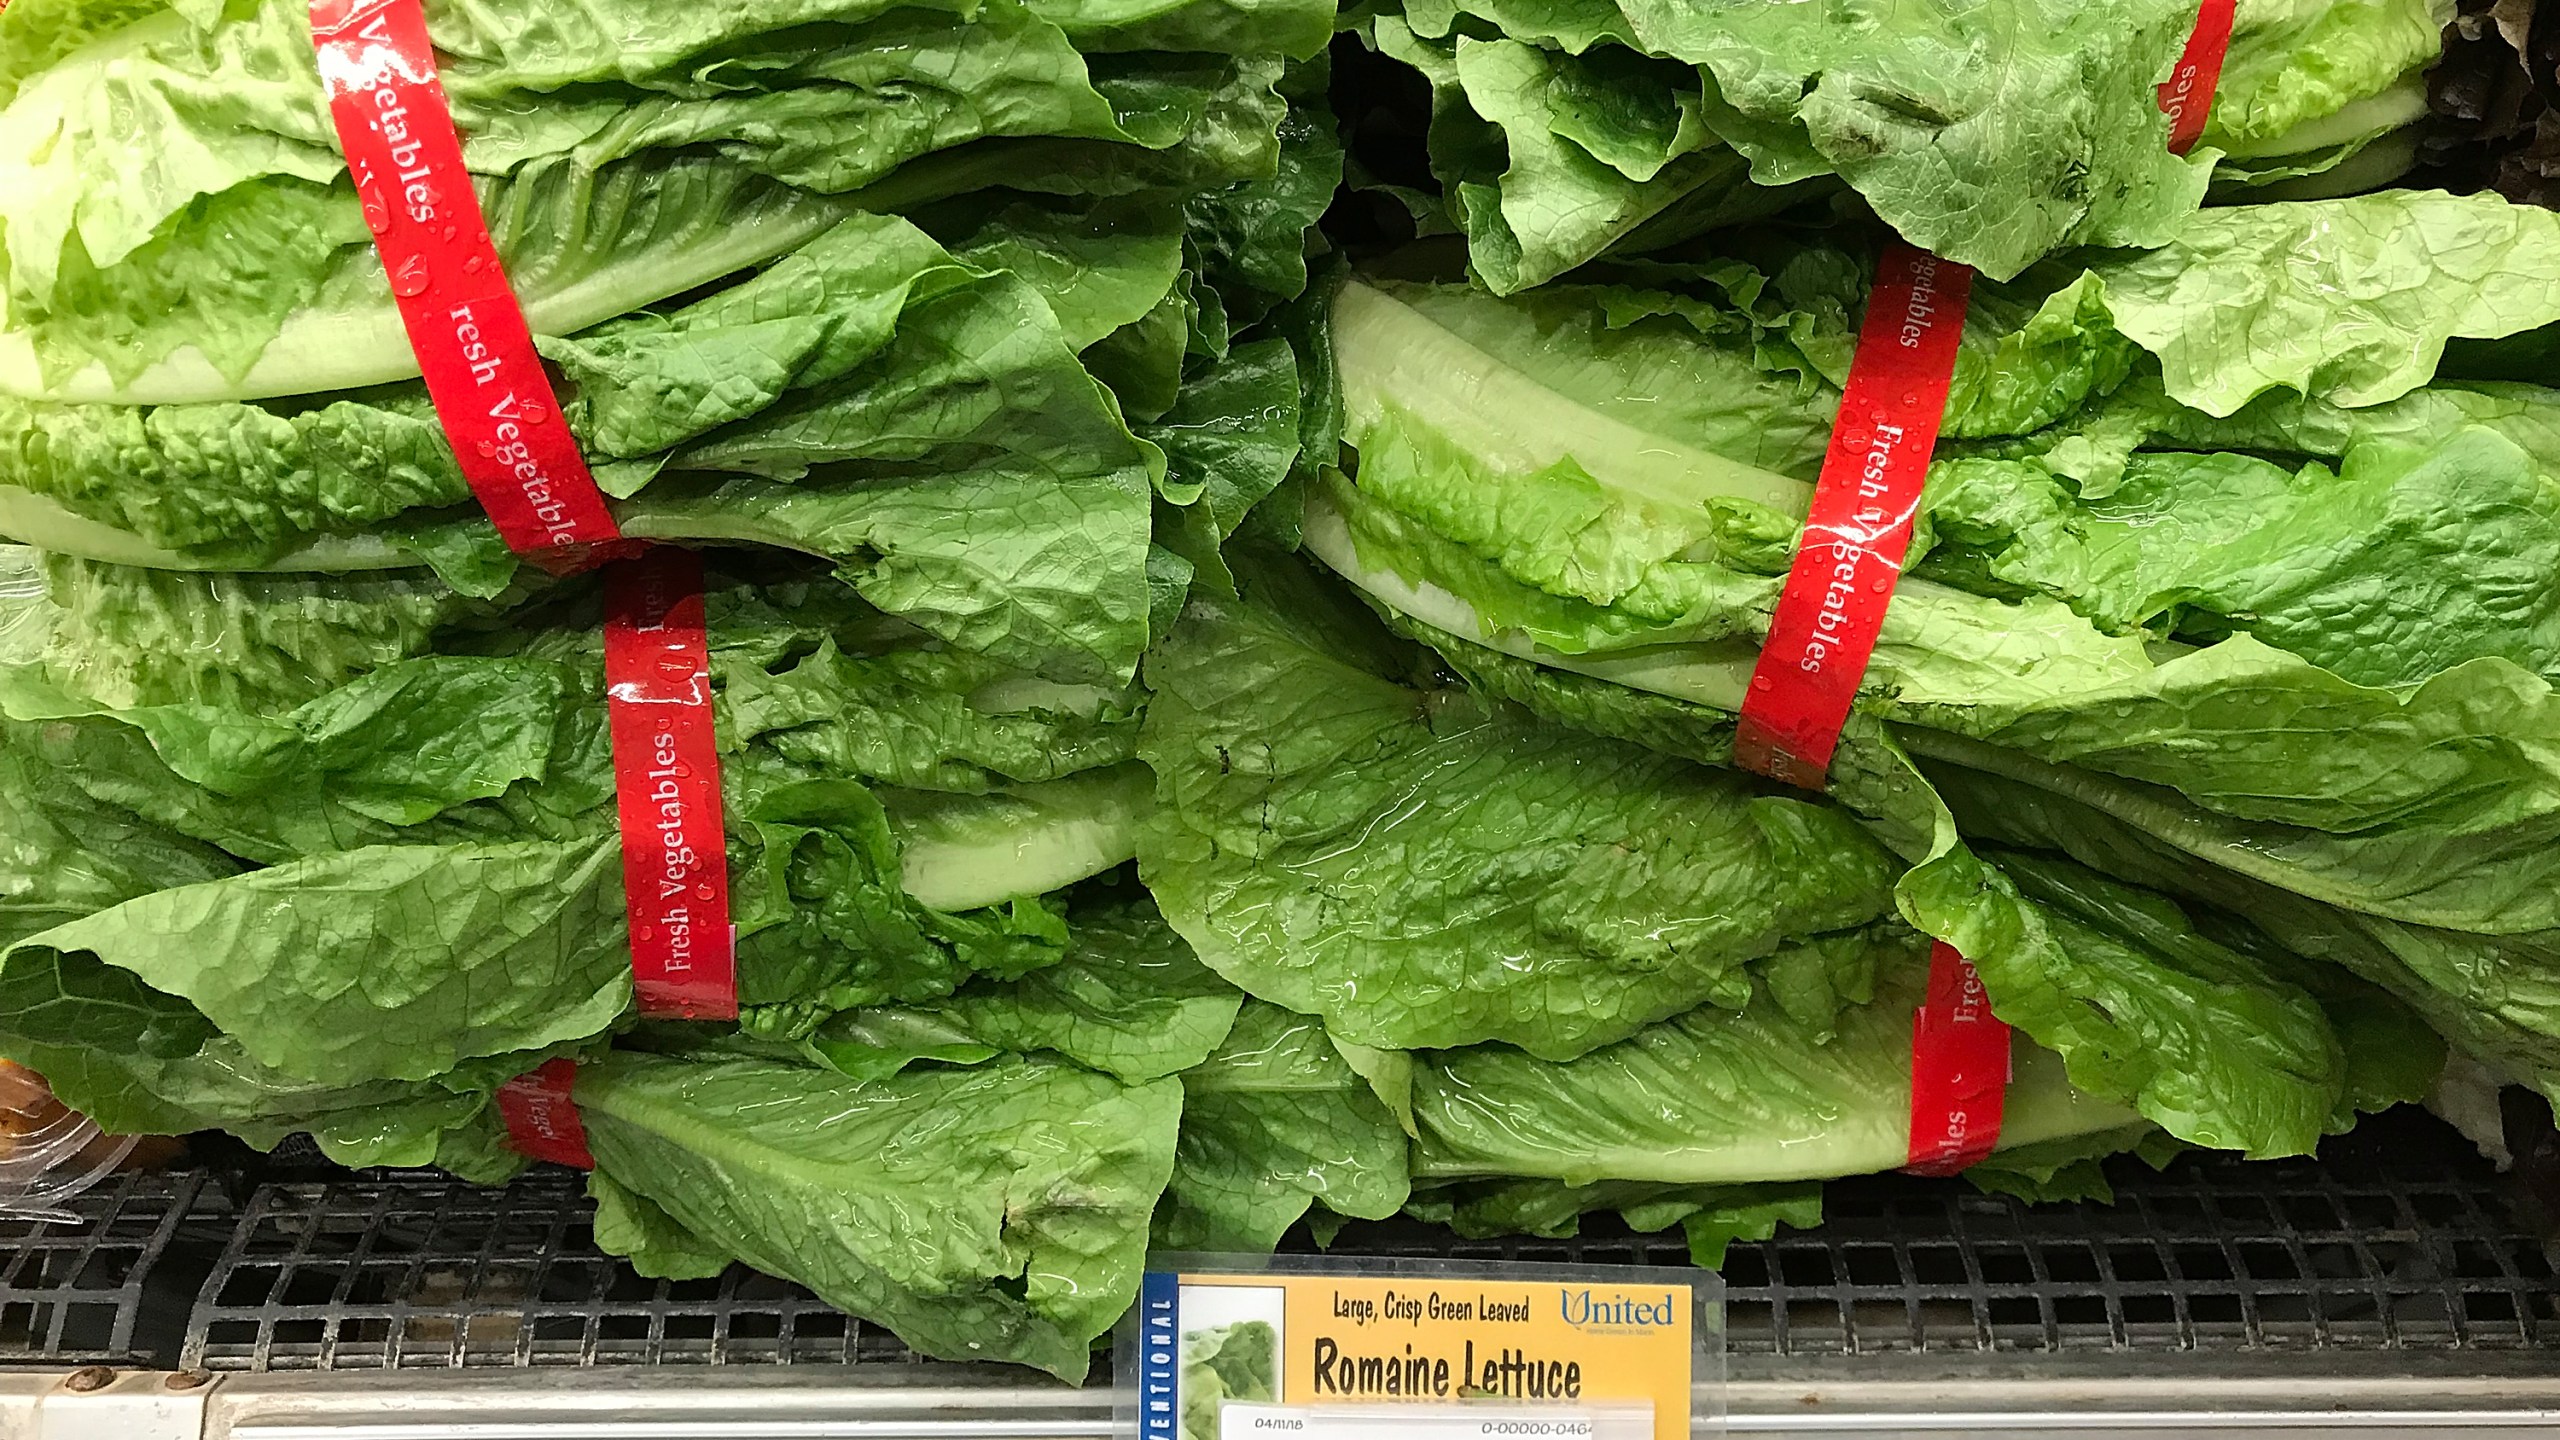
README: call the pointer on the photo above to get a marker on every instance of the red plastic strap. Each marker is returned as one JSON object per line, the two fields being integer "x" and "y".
{"x": 666, "y": 771}
{"x": 2187, "y": 95}
{"x": 1860, "y": 524}
{"x": 1959, "y": 1069}
{"x": 541, "y": 1115}
{"x": 491, "y": 393}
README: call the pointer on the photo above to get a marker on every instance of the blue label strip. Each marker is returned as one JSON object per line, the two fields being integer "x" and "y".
{"x": 1160, "y": 1357}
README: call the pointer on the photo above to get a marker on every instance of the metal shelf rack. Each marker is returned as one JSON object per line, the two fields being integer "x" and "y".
{"x": 2389, "y": 1286}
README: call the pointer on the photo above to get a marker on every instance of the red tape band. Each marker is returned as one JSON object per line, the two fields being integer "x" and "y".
{"x": 474, "y": 349}
{"x": 2187, "y": 95}
{"x": 1959, "y": 1069}
{"x": 541, "y": 1115}
{"x": 1859, "y": 527}
{"x": 666, "y": 771}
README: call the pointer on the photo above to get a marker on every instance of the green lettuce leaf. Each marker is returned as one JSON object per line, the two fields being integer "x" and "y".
{"x": 997, "y": 1212}
{"x": 2347, "y": 300}
{"x": 1128, "y": 999}
{"x": 1712, "y": 1217}
{"x": 632, "y": 1226}
{"x": 2495, "y": 996}
{"x": 259, "y": 642}
{"x": 1229, "y": 440}
{"x": 1716, "y": 1097}
{"x": 1252, "y": 240}
{"x": 924, "y": 392}
{"x": 65, "y": 854}
{"x": 1585, "y": 151}
{"x": 1276, "y": 1122}
{"x": 466, "y": 950}
{"x": 1991, "y": 137}
{"x": 2301, "y": 72}
{"x": 2223, "y": 1048}
{"x": 1577, "y": 890}
{"x": 612, "y": 149}
{"x": 2069, "y": 1169}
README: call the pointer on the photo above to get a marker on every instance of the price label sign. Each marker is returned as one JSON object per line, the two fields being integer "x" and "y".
{"x": 1306, "y": 1348}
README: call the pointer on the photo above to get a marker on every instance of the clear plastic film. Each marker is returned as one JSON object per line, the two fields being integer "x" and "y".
{"x": 54, "y": 1154}
{"x": 26, "y": 620}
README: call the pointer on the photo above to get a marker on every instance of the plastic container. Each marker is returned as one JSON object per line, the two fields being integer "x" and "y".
{"x": 51, "y": 1153}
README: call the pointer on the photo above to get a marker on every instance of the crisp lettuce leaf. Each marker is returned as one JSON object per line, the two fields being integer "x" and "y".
{"x": 2070, "y": 1169}
{"x": 929, "y": 719}
{"x": 2298, "y": 68}
{"x": 1577, "y": 890}
{"x": 65, "y": 854}
{"x": 632, "y": 1226}
{"x": 1716, "y": 1097}
{"x": 926, "y": 392}
{"x": 1579, "y": 152}
{"x": 244, "y": 198}
{"x": 252, "y": 641}
{"x": 1229, "y": 439}
{"x": 996, "y": 1212}
{"x": 398, "y": 1123}
{"x": 462, "y": 951}
{"x": 1276, "y": 1122}
{"x": 2223, "y": 1048}
{"x": 1989, "y": 136}
{"x": 1128, "y": 999}
{"x": 2325, "y": 564}
{"x": 2494, "y": 995}
{"x": 1712, "y": 1217}
{"x": 2349, "y": 300}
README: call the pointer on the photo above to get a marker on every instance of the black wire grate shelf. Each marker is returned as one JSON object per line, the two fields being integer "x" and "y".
{"x": 2396, "y": 1239}
{"x": 2211, "y": 1255}
{"x": 103, "y": 1287}
{"x": 412, "y": 1271}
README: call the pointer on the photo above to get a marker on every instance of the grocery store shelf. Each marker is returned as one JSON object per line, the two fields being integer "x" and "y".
{"x": 2396, "y": 1240}
{"x": 107, "y": 1288}
{"x": 2387, "y": 1287}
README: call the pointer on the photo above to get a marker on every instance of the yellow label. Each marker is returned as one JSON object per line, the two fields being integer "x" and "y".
{"x": 1360, "y": 1340}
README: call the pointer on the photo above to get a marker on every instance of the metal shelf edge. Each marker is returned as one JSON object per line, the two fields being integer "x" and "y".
{"x": 2300, "y": 1396}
